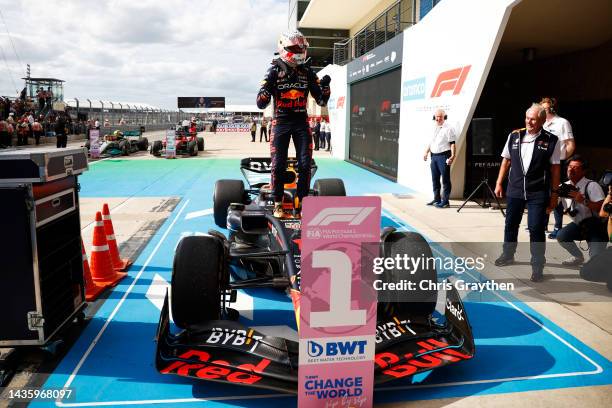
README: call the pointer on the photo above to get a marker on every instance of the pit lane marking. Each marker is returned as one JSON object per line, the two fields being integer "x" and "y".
{"x": 119, "y": 304}
{"x": 200, "y": 213}
{"x": 598, "y": 368}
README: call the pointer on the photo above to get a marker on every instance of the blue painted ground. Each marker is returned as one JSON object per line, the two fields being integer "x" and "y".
{"x": 113, "y": 361}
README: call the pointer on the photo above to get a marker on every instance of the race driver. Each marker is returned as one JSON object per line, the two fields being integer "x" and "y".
{"x": 289, "y": 80}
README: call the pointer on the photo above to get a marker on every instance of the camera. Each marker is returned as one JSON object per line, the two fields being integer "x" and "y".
{"x": 606, "y": 179}
{"x": 565, "y": 189}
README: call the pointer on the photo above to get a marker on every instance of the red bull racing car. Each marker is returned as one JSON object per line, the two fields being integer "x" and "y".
{"x": 263, "y": 251}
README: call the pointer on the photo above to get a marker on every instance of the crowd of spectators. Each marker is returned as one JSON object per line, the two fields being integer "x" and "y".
{"x": 24, "y": 122}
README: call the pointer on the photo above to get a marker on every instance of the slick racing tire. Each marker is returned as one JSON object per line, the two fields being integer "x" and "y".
{"x": 225, "y": 193}
{"x": 192, "y": 148}
{"x": 419, "y": 302}
{"x": 198, "y": 272}
{"x": 157, "y": 147}
{"x": 143, "y": 144}
{"x": 201, "y": 144}
{"x": 124, "y": 147}
{"x": 330, "y": 187}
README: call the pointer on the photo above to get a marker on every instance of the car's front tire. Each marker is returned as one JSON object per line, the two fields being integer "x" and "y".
{"x": 157, "y": 147}
{"x": 198, "y": 274}
{"x": 225, "y": 193}
{"x": 419, "y": 302}
{"x": 329, "y": 187}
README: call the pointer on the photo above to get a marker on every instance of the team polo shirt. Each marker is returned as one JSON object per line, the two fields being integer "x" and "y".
{"x": 594, "y": 194}
{"x": 443, "y": 137}
{"x": 527, "y": 145}
{"x": 531, "y": 156}
{"x": 561, "y": 128}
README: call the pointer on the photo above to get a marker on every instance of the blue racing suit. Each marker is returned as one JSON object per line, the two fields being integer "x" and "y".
{"x": 289, "y": 87}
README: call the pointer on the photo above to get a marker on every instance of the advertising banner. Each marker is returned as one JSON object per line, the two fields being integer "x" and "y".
{"x": 94, "y": 143}
{"x": 233, "y": 127}
{"x": 445, "y": 67}
{"x": 381, "y": 58}
{"x": 338, "y": 302}
{"x": 374, "y": 122}
{"x": 170, "y": 144}
{"x": 200, "y": 102}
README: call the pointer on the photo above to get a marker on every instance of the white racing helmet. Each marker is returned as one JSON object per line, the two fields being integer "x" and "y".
{"x": 292, "y": 46}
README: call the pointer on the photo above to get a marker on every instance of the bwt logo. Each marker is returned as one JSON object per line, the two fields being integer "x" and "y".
{"x": 414, "y": 89}
{"x": 336, "y": 348}
{"x": 351, "y": 215}
{"x": 451, "y": 80}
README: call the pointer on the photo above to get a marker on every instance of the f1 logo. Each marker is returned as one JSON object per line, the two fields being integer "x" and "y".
{"x": 340, "y": 103}
{"x": 451, "y": 80}
{"x": 385, "y": 106}
{"x": 351, "y": 215}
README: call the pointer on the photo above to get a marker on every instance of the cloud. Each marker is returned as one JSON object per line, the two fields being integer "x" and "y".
{"x": 146, "y": 51}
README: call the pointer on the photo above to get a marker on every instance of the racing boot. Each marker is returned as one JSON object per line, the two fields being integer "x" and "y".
{"x": 278, "y": 209}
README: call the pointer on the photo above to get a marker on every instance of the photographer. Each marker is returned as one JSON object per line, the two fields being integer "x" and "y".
{"x": 597, "y": 269}
{"x": 582, "y": 199}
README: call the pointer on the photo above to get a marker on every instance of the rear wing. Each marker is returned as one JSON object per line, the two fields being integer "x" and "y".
{"x": 257, "y": 170}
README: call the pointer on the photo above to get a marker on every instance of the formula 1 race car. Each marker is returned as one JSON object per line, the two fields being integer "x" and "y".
{"x": 264, "y": 251}
{"x": 186, "y": 143}
{"x": 121, "y": 143}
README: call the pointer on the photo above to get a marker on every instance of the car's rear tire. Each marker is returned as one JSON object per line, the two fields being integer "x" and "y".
{"x": 192, "y": 148}
{"x": 198, "y": 274}
{"x": 143, "y": 144}
{"x": 124, "y": 147}
{"x": 225, "y": 193}
{"x": 330, "y": 187}
{"x": 423, "y": 303}
{"x": 201, "y": 144}
{"x": 157, "y": 147}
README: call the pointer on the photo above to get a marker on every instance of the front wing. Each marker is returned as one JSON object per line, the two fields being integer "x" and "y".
{"x": 226, "y": 351}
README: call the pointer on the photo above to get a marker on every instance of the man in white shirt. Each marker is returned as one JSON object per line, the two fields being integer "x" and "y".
{"x": 561, "y": 128}
{"x": 583, "y": 208}
{"x": 442, "y": 149}
{"x": 531, "y": 159}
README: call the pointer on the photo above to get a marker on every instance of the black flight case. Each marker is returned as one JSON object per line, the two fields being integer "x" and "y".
{"x": 41, "y": 271}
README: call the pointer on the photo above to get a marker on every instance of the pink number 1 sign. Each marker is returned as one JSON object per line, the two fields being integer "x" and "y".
{"x": 338, "y": 302}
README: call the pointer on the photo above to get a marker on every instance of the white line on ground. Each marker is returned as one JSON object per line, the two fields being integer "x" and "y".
{"x": 119, "y": 304}
{"x": 598, "y": 369}
{"x": 200, "y": 213}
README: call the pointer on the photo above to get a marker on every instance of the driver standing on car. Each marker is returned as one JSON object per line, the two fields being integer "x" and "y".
{"x": 289, "y": 81}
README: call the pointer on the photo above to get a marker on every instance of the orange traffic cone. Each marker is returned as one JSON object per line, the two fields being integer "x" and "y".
{"x": 92, "y": 289}
{"x": 118, "y": 263}
{"x": 101, "y": 262}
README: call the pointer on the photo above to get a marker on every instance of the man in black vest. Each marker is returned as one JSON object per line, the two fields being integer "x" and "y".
{"x": 531, "y": 156}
